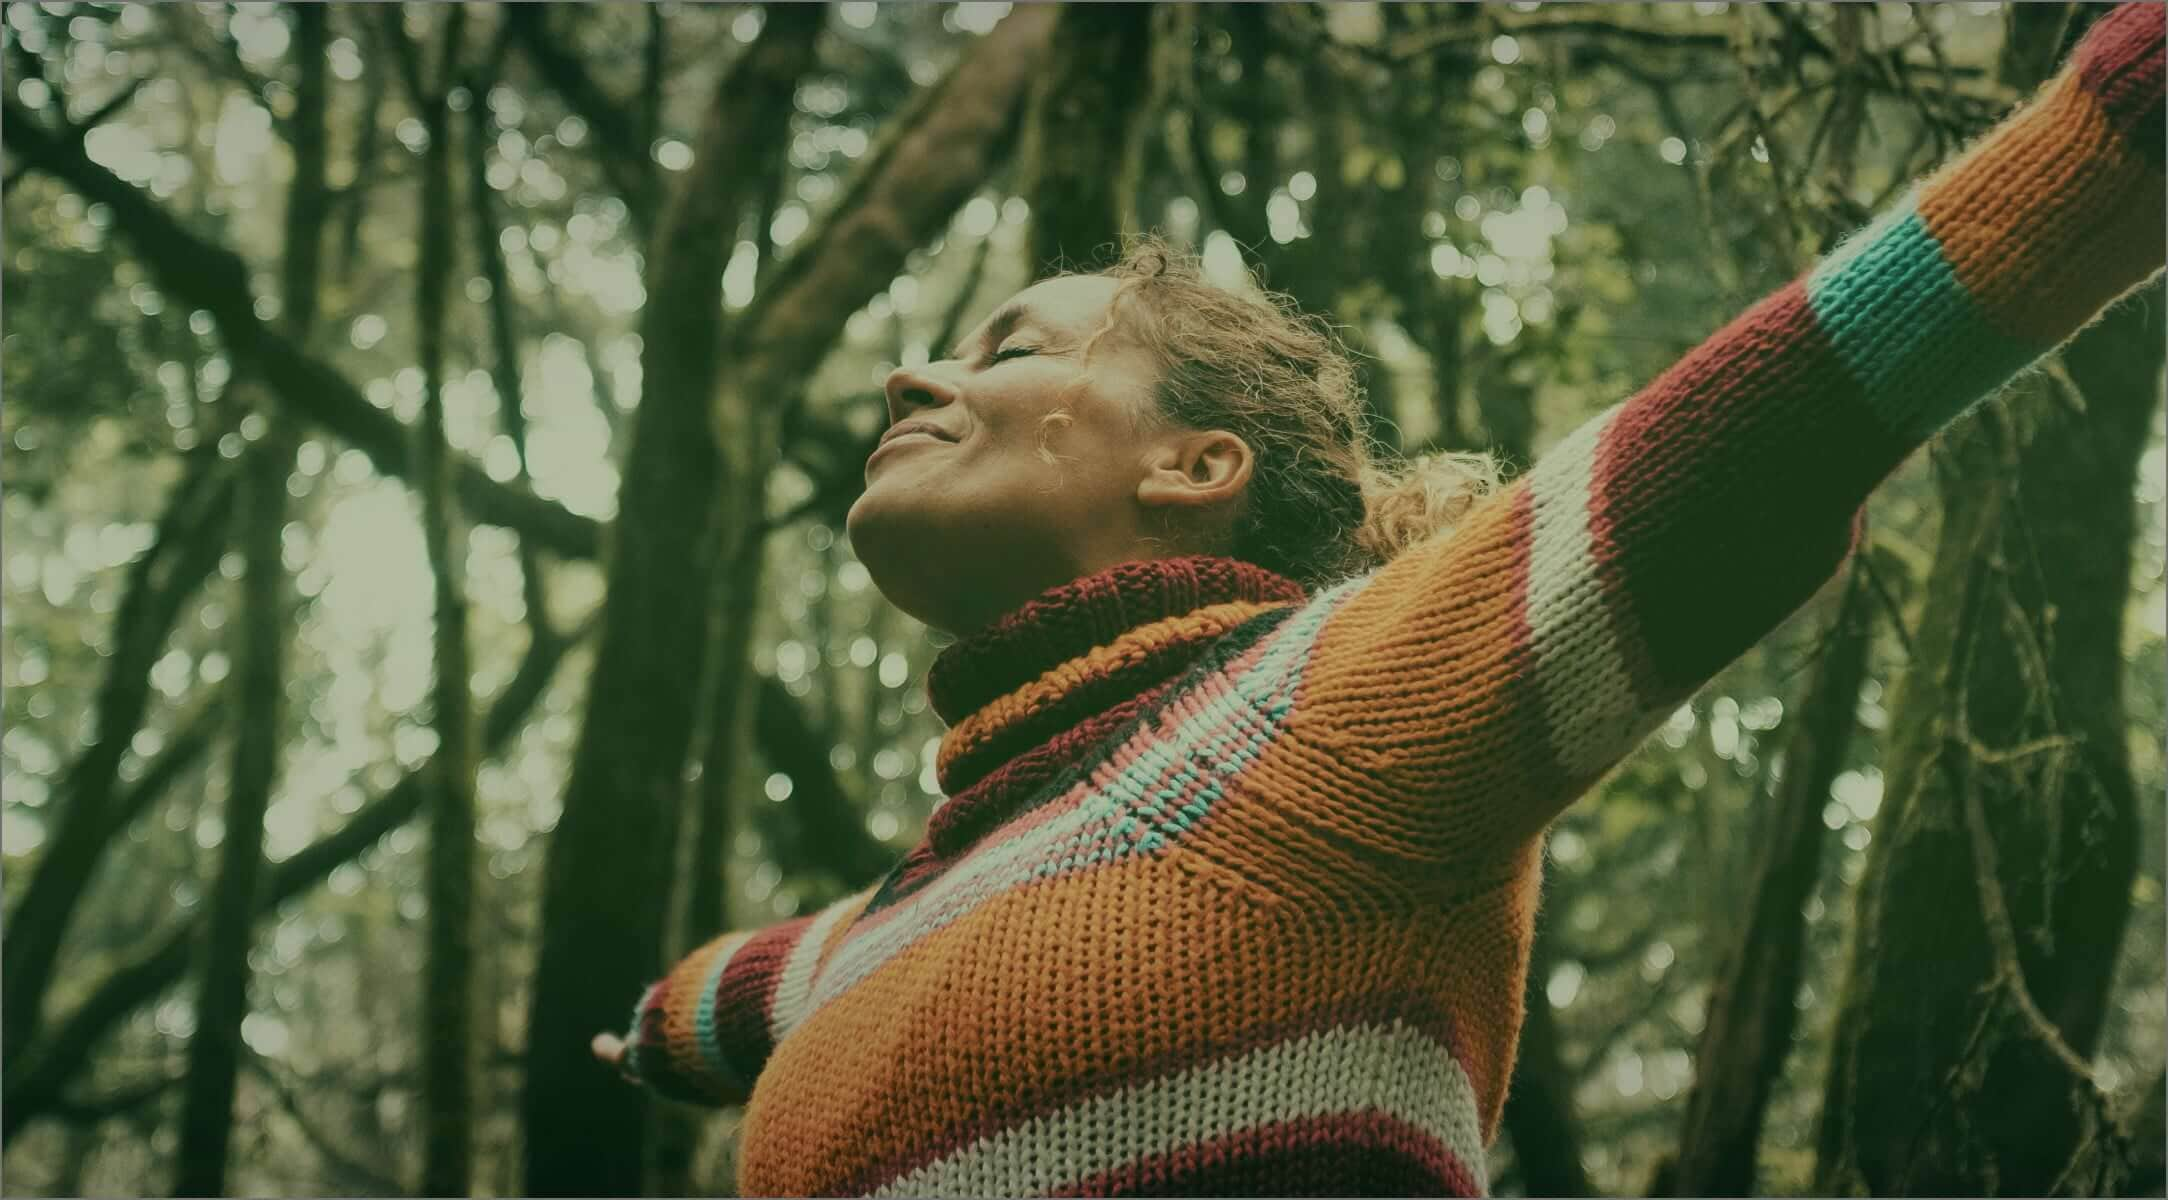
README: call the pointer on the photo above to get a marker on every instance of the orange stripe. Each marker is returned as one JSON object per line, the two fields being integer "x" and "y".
{"x": 1423, "y": 682}
{"x": 2050, "y": 218}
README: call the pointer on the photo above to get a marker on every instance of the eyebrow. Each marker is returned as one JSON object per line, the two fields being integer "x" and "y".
{"x": 999, "y": 326}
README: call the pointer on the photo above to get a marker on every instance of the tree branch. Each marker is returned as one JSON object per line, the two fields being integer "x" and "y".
{"x": 190, "y": 537}
{"x": 34, "y": 1079}
{"x": 620, "y": 149}
{"x": 825, "y": 830}
{"x": 373, "y": 1181}
{"x": 209, "y": 276}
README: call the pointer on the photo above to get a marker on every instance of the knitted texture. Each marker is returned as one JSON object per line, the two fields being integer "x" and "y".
{"x": 1234, "y": 891}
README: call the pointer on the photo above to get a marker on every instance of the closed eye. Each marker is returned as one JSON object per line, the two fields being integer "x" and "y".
{"x": 1008, "y": 352}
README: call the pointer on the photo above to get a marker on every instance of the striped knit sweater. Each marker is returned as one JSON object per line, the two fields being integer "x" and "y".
{"x": 1234, "y": 888}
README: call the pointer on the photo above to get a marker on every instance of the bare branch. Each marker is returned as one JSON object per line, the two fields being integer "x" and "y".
{"x": 620, "y": 149}
{"x": 34, "y": 1078}
{"x": 209, "y": 276}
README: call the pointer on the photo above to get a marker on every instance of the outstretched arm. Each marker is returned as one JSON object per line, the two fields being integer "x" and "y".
{"x": 1479, "y": 684}
{"x": 702, "y": 1033}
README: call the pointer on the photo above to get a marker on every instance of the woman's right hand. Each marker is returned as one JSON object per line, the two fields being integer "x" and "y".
{"x": 610, "y": 1051}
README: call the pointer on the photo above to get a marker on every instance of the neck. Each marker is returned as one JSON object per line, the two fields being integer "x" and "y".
{"x": 965, "y": 605}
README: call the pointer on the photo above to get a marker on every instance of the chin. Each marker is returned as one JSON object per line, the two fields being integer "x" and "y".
{"x": 901, "y": 556}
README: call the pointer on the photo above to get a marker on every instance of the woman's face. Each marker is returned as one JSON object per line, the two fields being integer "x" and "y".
{"x": 962, "y": 518}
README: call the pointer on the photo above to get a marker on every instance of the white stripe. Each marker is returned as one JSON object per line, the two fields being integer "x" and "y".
{"x": 795, "y": 985}
{"x": 1097, "y": 803}
{"x": 1395, "y": 1070}
{"x": 1588, "y": 695}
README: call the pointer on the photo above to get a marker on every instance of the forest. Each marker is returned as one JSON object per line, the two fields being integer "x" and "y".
{"x": 426, "y": 612}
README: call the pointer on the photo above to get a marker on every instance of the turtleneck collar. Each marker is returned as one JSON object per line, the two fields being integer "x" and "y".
{"x": 1066, "y": 621}
{"x": 1035, "y": 691}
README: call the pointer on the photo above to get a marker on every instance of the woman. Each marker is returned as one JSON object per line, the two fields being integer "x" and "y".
{"x": 1252, "y": 745}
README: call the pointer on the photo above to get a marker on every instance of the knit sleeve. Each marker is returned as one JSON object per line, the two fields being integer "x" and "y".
{"x": 702, "y": 1033}
{"x": 1478, "y": 684}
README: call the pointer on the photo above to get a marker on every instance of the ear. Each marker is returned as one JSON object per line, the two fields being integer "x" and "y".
{"x": 1196, "y": 470}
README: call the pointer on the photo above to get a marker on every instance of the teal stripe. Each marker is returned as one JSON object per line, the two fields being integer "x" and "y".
{"x": 1906, "y": 329}
{"x": 704, "y": 1033}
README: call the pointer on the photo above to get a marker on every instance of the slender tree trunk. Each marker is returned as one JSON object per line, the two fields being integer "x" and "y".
{"x": 215, "y": 1049}
{"x": 824, "y": 830}
{"x": 447, "y": 1001}
{"x": 192, "y": 535}
{"x": 1751, "y": 1013}
{"x": 701, "y": 868}
{"x": 35, "y": 1090}
{"x": 607, "y": 877}
{"x": 504, "y": 361}
{"x": 1995, "y": 900}
{"x": 1539, "y": 1106}
{"x": 1083, "y": 143}
{"x": 1507, "y": 409}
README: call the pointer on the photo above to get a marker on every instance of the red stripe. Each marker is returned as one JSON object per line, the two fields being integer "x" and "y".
{"x": 746, "y": 993}
{"x": 1354, "y": 1154}
{"x": 1749, "y": 458}
{"x": 2119, "y": 62}
{"x": 1376, "y": 1010}
{"x": 1126, "y": 678}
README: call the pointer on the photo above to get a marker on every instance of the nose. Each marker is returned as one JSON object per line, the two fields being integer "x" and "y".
{"x": 910, "y": 389}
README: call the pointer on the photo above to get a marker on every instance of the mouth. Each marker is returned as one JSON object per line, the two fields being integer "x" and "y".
{"x": 909, "y": 428}
{"x": 909, "y": 433}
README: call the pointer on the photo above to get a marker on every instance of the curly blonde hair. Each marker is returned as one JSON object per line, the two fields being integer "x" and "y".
{"x": 1326, "y": 500}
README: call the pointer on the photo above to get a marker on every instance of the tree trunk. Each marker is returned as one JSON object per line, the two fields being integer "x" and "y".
{"x": 1083, "y": 144}
{"x": 606, "y": 882}
{"x": 824, "y": 830}
{"x": 701, "y": 874}
{"x": 504, "y": 359}
{"x": 447, "y": 1000}
{"x": 215, "y": 1049}
{"x": 600, "y": 938}
{"x": 1748, "y": 1032}
{"x": 1539, "y": 1105}
{"x": 1994, "y": 902}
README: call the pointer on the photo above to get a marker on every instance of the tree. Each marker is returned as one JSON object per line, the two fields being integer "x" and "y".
{"x": 1752, "y": 1006}
{"x": 1992, "y": 910}
{"x": 447, "y": 1001}
{"x": 215, "y": 1051}
{"x": 1083, "y": 140}
{"x": 621, "y": 806}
